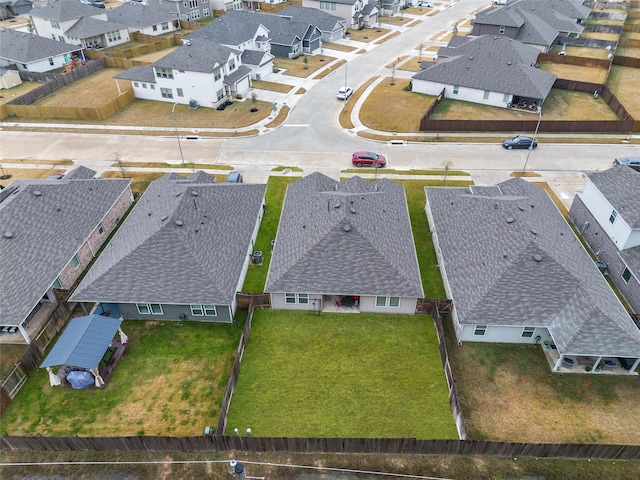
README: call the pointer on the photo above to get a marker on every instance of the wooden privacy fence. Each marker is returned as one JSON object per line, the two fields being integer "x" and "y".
{"x": 625, "y": 124}
{"x": 215, "y": 443}
{"x": 601, "y": 63}
{"x": 153, "y": 44}
{"x": 30, "y": 360}
{"x": 231, "y": 383}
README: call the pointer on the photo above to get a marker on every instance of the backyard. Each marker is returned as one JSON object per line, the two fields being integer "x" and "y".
{"x": 341, "y": 375}
{"x": 170, "y": 382}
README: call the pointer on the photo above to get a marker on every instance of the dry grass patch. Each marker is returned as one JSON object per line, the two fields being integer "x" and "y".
{"x": 432, "y": 48}
{"x": 413, "y": 64}
{"x": 437, "y": 35}
{"x": 9, "y": 355}
{"x": 414, "y": 23}
{"x": 91, "y": 91}
{"x": 301, "y": 91}
{"x": 388, "y": 37}
{"x": 331, "y": 69}
{"x": 141, "y": 180}
{"x": 7, "y": 95}
{"x": 37, "y": 162}
{"x": 628, "y": 52}
{"x": 345, "y": 114}
{"x": 397, "y": 21}
{"x": 361, "y": 51}
{"x": 397, "y": 62}
{"x": 157, "y": 55}
{"x": 600, "y": 35}
{"x": 390, "y": 108}
{"x": 623, "y": 82}
{"x": 366, "y": 35}
{"x": 574, "y": 72}
{"x": 271, "y": 86}
{"x": 297, "y": 67}
{"x": 524, "y": 174}
{"x": 280, "y": 118}
{"x": 584, "y": 52}
{"x": 338, "y": 46}
{"x": 33, "y": 173}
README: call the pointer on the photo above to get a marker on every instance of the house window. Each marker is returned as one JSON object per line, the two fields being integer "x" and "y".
{"x": 210, "y": 310}
{"x": 232, "y": 64}
{"x": 206, "y": 12}
{"x": 626, "y": 275}
{"x": 501, "y": 29}
{"x": 55, "y": 24}
{"x": 56, "y": 284}
{"x": 164, "y": 25}
{"x": 61, "y": 38}
{"x": 51, "y": 62}
{"x": 613, "y": 216}
{"x": 100, "y": 228}
{"x": 149, "y": 308}
{"x": 303, "y": 298}
{"x": 197, "y": 310}
{"x": 527, "y": 332}
{"x": 135, "y": 84}
{"x": 480, "y": 330}
{"x": 217, "y": 73}
{"x": 164, "y": 72}
{"x": 179, "y": 92}
{"x": 381, "y": 301}
{"x": 113, "y": 36}
{"x": 506, "y": 98}
{"x": 153, "y": 87}
{"x": 290, "y": 298}
{"x": 293, "y": 298}
{"x": 193, "y": 3}
{"x": 393, "y": 302}
{"x": 456, "y": 89}
{"x": 195, "y": 14}
{"x": 75, "y": 261}
{"x": 185, "y": 4}
{"x": 220, "y": 94}
{"x": 155, "y": 28}
{"x": 144, "y": 85}
{"x": 486, "y": 94}
{"x": 166, "y": 93}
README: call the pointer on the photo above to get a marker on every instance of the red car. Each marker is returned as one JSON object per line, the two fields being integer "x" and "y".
{"x": 368, "y": 158}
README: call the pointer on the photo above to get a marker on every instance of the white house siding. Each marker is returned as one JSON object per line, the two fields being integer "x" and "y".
{"x": 264, "y": 70}
{"x": 177, "y": 312}
{"x": 197, "y": 86}
{"x": 124, "y": 38}
{"x": 495, "y": 99}
{"x": 503, "y": 334}
{"x": 243, "y": 86}
{"x": 367, "y": 304}
{"x": 619, "y": 231}
{"x": 42, "y": 65}
{"x": 158, "y": 30}
{"x": 45, "y": 29}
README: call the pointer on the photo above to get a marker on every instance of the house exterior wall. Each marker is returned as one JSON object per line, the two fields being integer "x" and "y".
{"x": 10, "y": 79}
{"x": 336, "y": 34}
{"x": 160, "y": 28}
{"x": 606, "y": 251}
{"x": 503, "y": 334}
{"x": 56, "y": 30}
{"x": 619, "y": 231}
{"x": 495, "y": 99}
{"x": 367, "y": 304}
{"x": 337, "y": 9}
{"x": 172, "y": 312}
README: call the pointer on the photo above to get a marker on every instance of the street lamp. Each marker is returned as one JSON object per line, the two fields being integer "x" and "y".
{"x": 175, "y": 127}
{"x": 535, "y": 134}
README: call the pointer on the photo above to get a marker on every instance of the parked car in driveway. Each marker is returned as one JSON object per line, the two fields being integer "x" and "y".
{"x": 360, "y": 159}
{"x": 519, "y": 141}
{"x": 633, "y": 162}
{"x": 234, "y": 177}
{"x": 344, "y": 93}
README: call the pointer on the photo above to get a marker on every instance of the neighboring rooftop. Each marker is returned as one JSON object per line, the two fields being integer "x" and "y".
{"x": 185, "y": 242}
{"x": 511, "y": 259}
{"x": 21, "y": 47}
{"x": 65, "y": 10}
{"x": 621, "y": 187}
{"x": 353, "y": 236}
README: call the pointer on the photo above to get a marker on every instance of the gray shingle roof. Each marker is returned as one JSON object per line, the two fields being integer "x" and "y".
{"x": 255, "y": 57}
{"x": 323, "y": 20}
{"x": 198, "y": 55}
{"x": 570, "y": 8}
{"x": 81, "y": 172}
{"x": 21, "y": 47}
{"x": 488, "y": 241}
{"x": 138, "y": 15}
{"x": 314, "y": 253}
{"x": 226, "y": 31}
{"x": 238, "y": 74}
{"x": 48, "y": 230}
{"x": 621, "y": 187}
{"x": 138, "y": 74}
{"x": 89, "y": 27}
{"x": 83, "y": 342}
{"x": 64, "y": 10}
{"x": 153, "y": 259}
{"x": 494, "y": 63}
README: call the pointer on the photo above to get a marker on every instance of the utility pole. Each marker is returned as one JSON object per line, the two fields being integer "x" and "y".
{"x": 535, "y": 134}
{"x": 175, "y": 127}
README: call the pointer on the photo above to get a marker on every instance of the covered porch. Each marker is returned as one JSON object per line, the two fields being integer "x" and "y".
{"x": 341, "y": 303}
{"x": 591, "y": 364}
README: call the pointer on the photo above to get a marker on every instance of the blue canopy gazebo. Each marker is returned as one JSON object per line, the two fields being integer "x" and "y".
{"x": 82, "y": 346}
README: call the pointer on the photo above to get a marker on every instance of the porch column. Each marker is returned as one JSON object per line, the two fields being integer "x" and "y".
{"x": 558, "y": 363}
{"x": 51, "y": 296}
{"x": 595, "y": 365}
{"x": 24, "y": 333}
{"x": 635, "y": 365}
{"x": 84, "y": 308}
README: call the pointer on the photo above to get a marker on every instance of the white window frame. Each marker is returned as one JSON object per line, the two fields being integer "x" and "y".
{"x": 166, "y": 92}
{"x": 613, "y": 216}
{"x": 197, "y": 310}
{"x": 179, "y": 92}
{"x": 480, "y": 330}
{"x": 456, "y": 89}
{"x": 527, "y": 332}
{"x": 100, "y": 228}
{"x": 290, "y": 298}
{"x": 75, "y": 261}
{"x": 629, "y": 275}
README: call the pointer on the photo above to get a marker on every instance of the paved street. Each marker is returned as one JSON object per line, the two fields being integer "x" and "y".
{"x": 312, "y": 139}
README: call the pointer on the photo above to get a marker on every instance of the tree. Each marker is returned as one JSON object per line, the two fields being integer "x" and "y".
{"x": 305, "y": 59}
{"x": 420, "y": 47}
{"x": 447, "y": 164}
{"x": 120, "y": 165}
{"x": 254, "y": 99}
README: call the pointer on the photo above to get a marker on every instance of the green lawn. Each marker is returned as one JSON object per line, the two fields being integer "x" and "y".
{"x": 341, "y": 375}
{"x": 170, "y": 382}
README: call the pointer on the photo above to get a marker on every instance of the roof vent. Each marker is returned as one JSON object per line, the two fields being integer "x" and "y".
{"x": 353, "y": 210}
{"x": 8, "y": 234}
{"x": 521, "y": 208}
{"x": 508, "y": 62}
{"x": 178, "y": 194}
{"x": 194, "y": 193}
{"x": 537, "y": 257}
{"x": 337, "y": 205}
{"x": 533, "y": 231}
{"x": 164, "y": 218}
{"x": 347, "y": 227}
{"x": 470, "y": 57}
{"x": 37, "y": 193}
{"x": 510, "y": 219}
{"x": 179, "y": 223}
